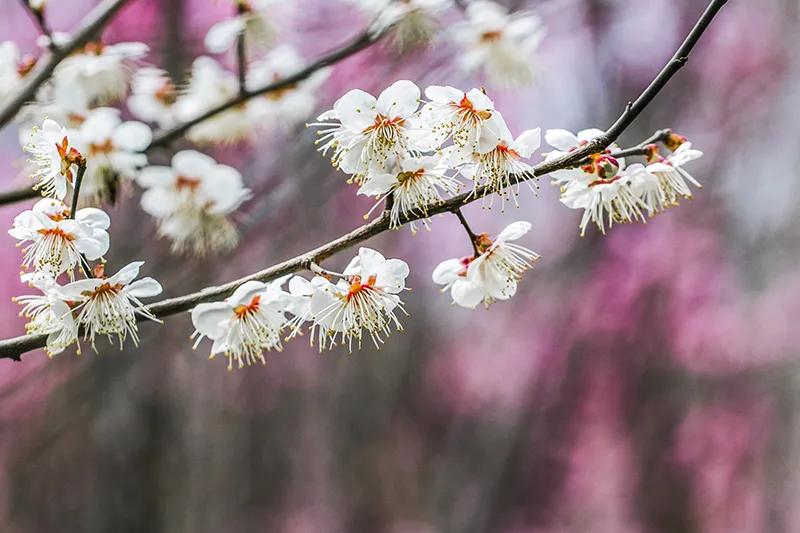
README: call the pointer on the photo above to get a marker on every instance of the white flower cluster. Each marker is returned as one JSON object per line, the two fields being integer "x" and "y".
{"x": 57, "y": 242}
{"x": 363, "y": 301}
{"x": 408, "y": 151}
{"x": 394, "y": 147}
{"x": 610, "y": 192}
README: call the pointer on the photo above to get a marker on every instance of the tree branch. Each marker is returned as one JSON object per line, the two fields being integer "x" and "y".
{"x": 14, "y": 347}
{"x": 38, "y": 18}
{"x": 360, "y": 42}
{"x": 95, "y": 21}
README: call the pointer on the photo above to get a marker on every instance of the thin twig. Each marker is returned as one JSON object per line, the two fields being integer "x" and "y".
{"x": 473, "y": 238}
{"x": 241, "y": 52}
{"x": 95, "y": 21}
{"x": 76, "y": 190}
{"x": 14, "y": 347}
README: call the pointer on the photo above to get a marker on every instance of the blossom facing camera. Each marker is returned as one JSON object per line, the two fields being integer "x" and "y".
{"x": 153, "y": 97}
{"x": 416, "y": 184}
{"x": 109, "y": 305}
{"x": 367, "y": 134}
{"x": 56, "y": 240}
{"x": 498, "y": 43}
{"x": 365, "y": 301}
{"x": 492, "y": 274}
{"x": 244, "y": 325}
{"x": 498, "y": 162}
{"x": 451, "y": 113}
{"x": 192, "y": 201}
{"x": 114, "y": 151}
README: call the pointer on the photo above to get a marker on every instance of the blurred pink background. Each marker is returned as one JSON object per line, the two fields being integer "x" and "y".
{"x": 645, "y": 381}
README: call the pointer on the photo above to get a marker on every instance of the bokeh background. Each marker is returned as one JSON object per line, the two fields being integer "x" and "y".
{"x": 644, "y": 381}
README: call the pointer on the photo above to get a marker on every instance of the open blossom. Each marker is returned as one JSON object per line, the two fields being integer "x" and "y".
{"x": 53, "y": 158}
{"x": 411, "y": 21}
{"x": 366, "y": 300}
{"x": 498, "y": 43}
{"x": 498, "y": 160}
{"x": 244, "y": 325}
{"x": 372, "y": 133}
{"x": 415, "y": 184}
{"x": 57, "y": 241}
{"x": 102, "y": 71}
{"x": 210, "y": 86}
{"x": 48, "y": 313}
{"x": 493, "y": 274}
{"x": 672, "y": 177}
{"x": 288, "y": 106}
{"x": 192, "y": 200}
{"x": 109, "y": 305}
{"x": 605, "y": 201}
{"x": 253, "y": 19}
{"x": 153, "y": 97}
{"x": 451, "y": 113}
{"x": 113, "y": 149}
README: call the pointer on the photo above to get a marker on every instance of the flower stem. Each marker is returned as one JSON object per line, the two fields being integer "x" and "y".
{"x": 472, "y": 236}
{"x": 74, "y": 208}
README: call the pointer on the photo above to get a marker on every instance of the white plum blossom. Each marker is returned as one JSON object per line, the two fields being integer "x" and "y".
{"x": 415, "y": 184}
{"x": 53, "y": 158}
{"x": 493, "y": 274}
{"x": 57, "y": 241}
{"x": 244, "y": 325}
{"x": 497, "y": 163}
{"x": 498, "y": 43}
{"x": 411, "y": 21}
{"x": 113, "y": 150}
{"x": 605, "y": 201}
{"x": 48, "y": 313}
{"x": 366, "y": 134}
{"x": 451, "y": 113}
{"x": 210, "y": 86}
{"x": 109, "y": 305}
{"x": 253, "y": 19}
{"x": 672, "y": 177}
{"x": 288, "y": 106}
{"x": 101, "y": 71}
{"x": 192, "y": 200}
{"x": 365, "y": 300}
{"x": 153, "y": 97}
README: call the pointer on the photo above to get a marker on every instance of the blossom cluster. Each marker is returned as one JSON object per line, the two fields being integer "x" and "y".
{"x": 410, "y": 150}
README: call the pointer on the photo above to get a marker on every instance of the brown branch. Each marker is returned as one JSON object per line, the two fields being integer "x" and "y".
{"x": 13, "y": 348}
{"x": 473, "y": 239}
{"x": 241, "y": 53}
{"x": 94, "y": 22}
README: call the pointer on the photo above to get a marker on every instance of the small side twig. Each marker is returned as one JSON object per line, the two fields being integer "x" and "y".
{"x": 37, "y": 14}
{"x": 74, "y": 209}
{"x": 473, "y": 237}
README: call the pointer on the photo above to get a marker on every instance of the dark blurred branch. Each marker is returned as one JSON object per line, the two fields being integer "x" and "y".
{"x": 241, "y": 52}
{"x": 38, "y": 17}
{"x": 14, "y": 347}
{"x": 93, "y": 23}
